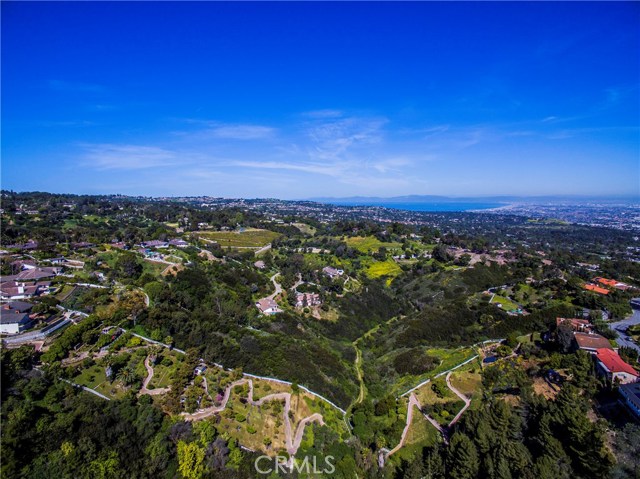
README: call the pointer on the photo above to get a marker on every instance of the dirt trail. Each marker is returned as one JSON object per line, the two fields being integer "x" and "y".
{"x": 467, "y": 401}
{"x": 147, "y": 380}
{"x": 292, "y": 440}
{"x": 277, "y": 285}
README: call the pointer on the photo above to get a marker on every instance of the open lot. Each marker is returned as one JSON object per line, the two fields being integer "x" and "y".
{"x": 381, "y": 269}
{"x": 248, "y": 238}
{"x": 370, "y": 244}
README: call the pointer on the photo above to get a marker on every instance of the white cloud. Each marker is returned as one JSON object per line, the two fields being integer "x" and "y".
{"x": 319, "y": 114}
{"x": 127, "y": 157}
{"x": 242, "y": 132}
{"x": 326, "y": 169}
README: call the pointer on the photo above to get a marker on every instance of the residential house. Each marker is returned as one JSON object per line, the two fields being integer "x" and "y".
{"x": 260, "y": 264}
{"x": 595, "y": 289}
{"x": 332, "y": 272}
{"x": 307, "y": 299}
{"x": 67, "y": 263}
{"x": 14, "y": 317}
{"x": 154, "y": 244}
{"x": 631, "y": 396}
{"x": 178, "y": 243}
{"x": 613, "y": 367}
{"x": 591, "y": 342}
{"x": 268, "y": 306}
{"x": 12, "y": 290}
{"x": 37, "y": 273}
{"x": 612, "y": 283}
{"x": 577, "y": 325}
{"x": 22, "y": 264}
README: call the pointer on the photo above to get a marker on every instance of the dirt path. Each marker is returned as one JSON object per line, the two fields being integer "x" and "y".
{"x": 277, "y": 286}
{"x": 263, "y": 249}
{"x": 147, "y": 380}
{"x": 467, "y": 401}
{"x": 292, "y": 440}
{"x": 358, "y": 364}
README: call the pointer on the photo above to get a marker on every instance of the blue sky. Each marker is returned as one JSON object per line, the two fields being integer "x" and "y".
{"x": 296, "y": 100}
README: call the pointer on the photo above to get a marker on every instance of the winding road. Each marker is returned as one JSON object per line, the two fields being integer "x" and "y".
{"x": 292, "y": 440}
{"x": 413, "y": 401}
{"x": 147, "y": 380}
{"x": 277, "y": 285}
{"x": 467, "y": 401}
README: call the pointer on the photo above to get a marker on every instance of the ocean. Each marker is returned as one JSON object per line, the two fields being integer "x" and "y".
{"x": 429, "y": 207}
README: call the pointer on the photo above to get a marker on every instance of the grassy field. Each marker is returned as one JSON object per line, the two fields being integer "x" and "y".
{"x": 421, "y": 434}
{"x": 251, "y": 424}
{"x": 249, "y": 238}
{"x": 94, "y": 378}
{"x": 381, "y": 269}
{"x": 305, "y": 228}
{"x": 370, "y": 244}
{"x": 470, "y": 384}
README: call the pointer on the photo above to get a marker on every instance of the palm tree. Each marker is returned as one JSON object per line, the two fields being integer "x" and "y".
{"x": 127, "y": 375}
{"x": 154, "y": 351}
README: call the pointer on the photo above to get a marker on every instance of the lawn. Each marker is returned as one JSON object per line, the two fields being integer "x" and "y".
{"x": 370, "y": 244}
{"x": 94, "y": 378}
{"x": 506, "y": 303}
{"x": 248, "y": 238}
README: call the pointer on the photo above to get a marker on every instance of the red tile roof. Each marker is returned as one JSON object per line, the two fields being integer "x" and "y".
{"x": 605, "y": 281}
{"x": 614, "y": 363}
{"x": 596, "y": 289}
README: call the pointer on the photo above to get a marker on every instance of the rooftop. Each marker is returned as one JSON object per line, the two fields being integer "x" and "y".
{"x": 592, "y": 341}
{"x": 614, "y": 363}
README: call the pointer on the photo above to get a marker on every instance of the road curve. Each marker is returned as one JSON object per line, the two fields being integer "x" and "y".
{"x": 467, "y": 401}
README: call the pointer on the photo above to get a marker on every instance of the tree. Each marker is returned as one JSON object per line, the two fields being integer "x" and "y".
{"x": 127, "y": 375}
{"x": 462, "y": 459}
{"x": 564, "y": 334}
{"x": 190, "y": 460}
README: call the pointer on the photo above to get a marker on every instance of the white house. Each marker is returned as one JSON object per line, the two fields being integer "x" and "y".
{"x": 611, "y": 365}
{"x": 268, "y": 306}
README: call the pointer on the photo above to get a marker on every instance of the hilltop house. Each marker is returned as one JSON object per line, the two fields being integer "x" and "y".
{"x": 612, "y": 283}
{"x": 268, "y": 306}
{"x": 332, "y": 272}
{"x": 596, "y": 289}
{"x": 613, "y": 367}
{"x": 178, "y": 243}
{"x": 14, "y": 317}
{"x": 154, "y": 244}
